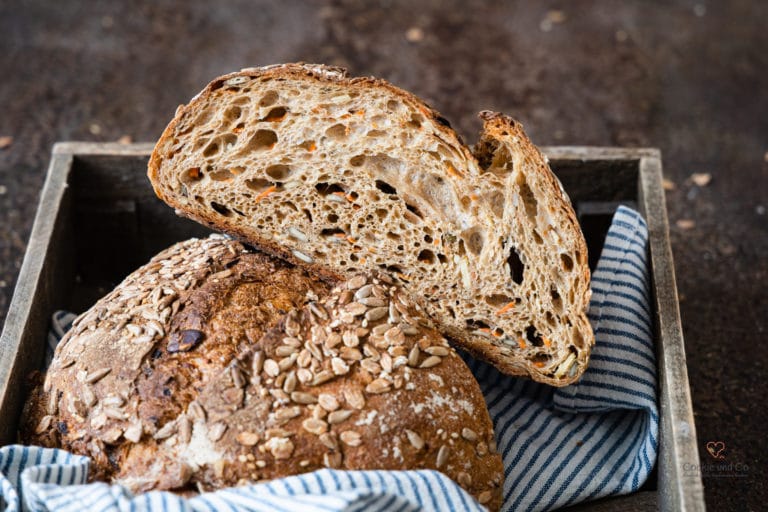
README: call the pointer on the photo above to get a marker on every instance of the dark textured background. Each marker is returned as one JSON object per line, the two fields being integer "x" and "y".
{"x": 688, "y": 77}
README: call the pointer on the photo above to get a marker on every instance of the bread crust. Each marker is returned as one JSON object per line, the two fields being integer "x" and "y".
{"x": 558, "y": 366}
{"x": 214, "y": 366}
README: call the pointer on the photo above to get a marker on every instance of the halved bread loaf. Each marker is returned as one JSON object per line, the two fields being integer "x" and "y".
{"x": 341, "y": 175}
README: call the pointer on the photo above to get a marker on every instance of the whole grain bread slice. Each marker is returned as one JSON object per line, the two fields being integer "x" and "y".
{"x": 341, "y": 175}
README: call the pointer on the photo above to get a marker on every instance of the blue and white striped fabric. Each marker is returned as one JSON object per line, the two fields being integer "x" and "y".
{"x": 563, "y": 446}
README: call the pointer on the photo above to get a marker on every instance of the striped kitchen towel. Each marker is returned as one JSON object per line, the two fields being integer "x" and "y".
{"x": 595, "y": 438}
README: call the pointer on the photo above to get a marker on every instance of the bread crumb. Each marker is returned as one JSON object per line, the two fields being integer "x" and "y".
{"x": 7, "y": 140}
{"x": 414, "y": 34}
{"x": 701, "y": 179}
{"x": 668, "y": 184}
{"x": 685, "y": 224}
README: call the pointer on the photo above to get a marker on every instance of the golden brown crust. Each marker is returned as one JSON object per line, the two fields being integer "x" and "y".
{"x": 253, "y": 371}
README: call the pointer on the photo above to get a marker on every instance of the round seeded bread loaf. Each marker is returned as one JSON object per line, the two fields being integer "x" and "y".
{"x": 214, "y": 366}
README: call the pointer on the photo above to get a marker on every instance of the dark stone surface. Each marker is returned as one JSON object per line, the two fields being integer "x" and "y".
{"x": 689, "y": 78}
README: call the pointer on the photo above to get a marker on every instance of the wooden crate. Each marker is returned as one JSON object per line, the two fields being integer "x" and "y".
{"x": 98, "y": 220}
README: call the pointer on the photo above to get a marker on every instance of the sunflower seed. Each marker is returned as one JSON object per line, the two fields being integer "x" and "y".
{"x": 399, "y": 361}
{"x": 196, "y": 410}
{"x": 379, "y": 330}
{"x": 376, "y": 313}
{"x": 280, "y": 447}
{"x": 304, "y": 375}
{"x": 332, "y": 460}
{"x": 328, "y": 402}
{"x": 371, "y": 352}
{"x": 354, "y": 397}
{"x": 284, "y": 350}
{"x": 469, "y": 434}
{"x": 297, "y": 234}
{"x": 287, "y": 413}
{"x": 437, "y": 350}
{"x": 339, "y": 416}
{"x": 111, "y": 401}
{"x": 356, "y": 282}
{"x": 386, "y": 362}
{"x": 247, "y": 438}
{"x": 166, "y": 430}
{"x": 332, "y": 340}
{"x": 305, "y": 357}
{"x": 216, "y": 431}
{"x": 430, "y": 362}
{"x": 115, "y": 414}
{"x": 364, "y": 292}
{"x": 350, "y": 339}
{"x": 97, "y": 375}
{"x": 271, "y": 368}
{"x": 415, "y": 439}
{"x": 442, "y": 456}
{"x": 329, "y": 441}
{"x": 134, "y": 329}
{"x": 338, "y": 366}
{"x": 350, "y": 354}
{"x": 237, "y": 376}
{"x": 290, "y": 383}
{"x": 44, "y": 424}
{"x": 318, "y": 310}
{"x": 303, "y": 257}
{"x": 484, "y": 497}
{"x": 394, "y": 314}
{"x": 185, "y": 429}
{"x": 314, "y": 426}
{"x": 350, "y": 438}
{"x": 258, "y": 362}
{"x": 370, "y": 366}
{"x": 394, "y": 336}
{"x": 301, "y": 397}
{"x": 89, "y": 398}
{"x": 314, "y": 350}
{"x": 378, "y": 386}
{"x": 261, "y": 464}
{"x": 355, "y": 308}
{"x": 321, "y": 377}
{"x": 492, "y": 445}
{"x": 482, "y": 448}
{"x": 345, "y": 297}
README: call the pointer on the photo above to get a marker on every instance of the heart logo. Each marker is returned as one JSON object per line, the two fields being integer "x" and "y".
{"x": 716, "y": 449}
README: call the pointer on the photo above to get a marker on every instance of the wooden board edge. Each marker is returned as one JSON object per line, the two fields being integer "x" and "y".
{"x": 678, "y": 489}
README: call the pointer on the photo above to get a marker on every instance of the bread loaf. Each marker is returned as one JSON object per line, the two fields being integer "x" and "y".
{"x": 213, "y": 366}
{"x": 343, "y": 175}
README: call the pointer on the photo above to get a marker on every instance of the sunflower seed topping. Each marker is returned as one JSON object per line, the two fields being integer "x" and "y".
{"x": 44, "y": 424}
{"x": 364, "y": 292}
{"x": 166, "y": 430}
{"x": 246, "y": 438}
{"x": 287, "y": 413}
{"x": 415, "y": 439}
{"x": 437, "y": 350}
{"x": 356, "y": 282}
{"x": 329, "y": 441}
{"x": 464, "y": 479}
{"x": 328, "y": 402}
{"x": 332, "y": 460}
{"x": 271, "y": 368}
{"x": 484, "y": 497}
{"x": 97, "y": 375}
{"x": 442, "y": 456}
{"x": 376, "y": 313}
{"x": 216, "y": 431}
{"x": 301, "y": 397}
{"x": 185, "y": 429}
{"x": 354, "y": 397}
{"x": 430, "y": 362}
{"x": 378, "y": 386}
{"x": 350, "y": 438}
{"x": 339, "y": 416}
{"x": 469, "y": 434}
{"x": 315, "y": 426}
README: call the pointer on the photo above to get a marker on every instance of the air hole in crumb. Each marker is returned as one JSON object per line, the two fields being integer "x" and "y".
{"x": 262, "y": 140}
{"x": 211, "y": 149}
{"x": 393, "y": 236}
{"x": 393, "y": 105}
{"x": 567, "y": 262}
{"x": 381, "y": 213}
{"x": 385, "y": 187}
{"x": 516, "y": 267}
{"x": 221, "y": 175}
{"x": 375, "y": 133}
{"x": 333, "y": 218}
{"x": 278, "y": 172}
{"x": 325, "y": 189}
{"x": 416, "y": 120}
{"x": 191, "y": 175}
{"x": 428, "y": 239}
{"x": 427, "y": 256}
{"x": 232, "y": 114}
{"x": 550, "y": 318}
{"x": 357, "y": 160}
{"x": 337, "y": 131}
{"x": 257, "y": 184}
{"x": 537, "y": 237}
{"x": 354, "y": 257}
{"x": 411, "y": 208}
{"x": 557, "y": 302}
{"x": 442, "y": 258}
{"x": 529, "y": 200}
{"x": 540, "y": 358}
{"x": 498, "y": 300}
{"x": 275, "y": 115}
{"x": 331, "y": 232}
{"x": 578, "y": 339}
{"x": 220, "y": 209}
{"x": 308, "y": 214}
{"x": 496, "y": 201}
{"x": 308, "y": 145}
{"x": 269, "y": 98}
{"x": 533, "y": 337}
{"x": 474, "y": 323}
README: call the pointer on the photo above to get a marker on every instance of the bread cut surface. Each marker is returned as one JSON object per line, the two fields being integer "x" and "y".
{"x": 213, "y": 366}
{"x": 341, "y": 175}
